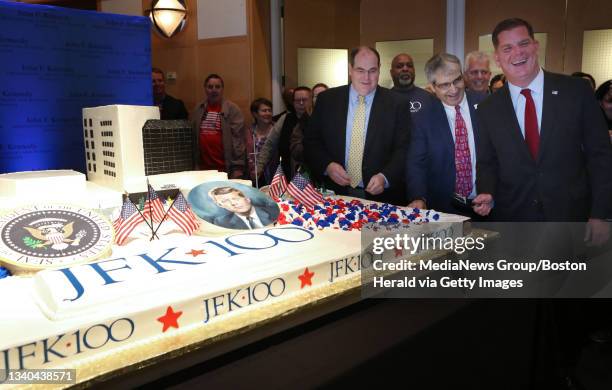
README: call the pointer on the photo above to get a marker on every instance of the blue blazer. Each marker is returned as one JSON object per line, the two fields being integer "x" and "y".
{"x": 430, "y": 164}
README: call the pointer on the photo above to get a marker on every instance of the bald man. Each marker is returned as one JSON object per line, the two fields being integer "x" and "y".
{"x": 403, "y": 75}
{"x": 357, "y": 137}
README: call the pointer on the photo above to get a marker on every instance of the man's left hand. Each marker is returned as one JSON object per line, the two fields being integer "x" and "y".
{"x": 597, "y": 232}
{"x": 376, "y": 185}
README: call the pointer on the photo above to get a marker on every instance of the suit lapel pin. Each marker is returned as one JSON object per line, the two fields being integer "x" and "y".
{"x": 555, "y": 92}
{"x": 476, "y": 106}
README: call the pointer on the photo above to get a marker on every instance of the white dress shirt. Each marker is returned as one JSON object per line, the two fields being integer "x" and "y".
{"x": 518, "y": 100}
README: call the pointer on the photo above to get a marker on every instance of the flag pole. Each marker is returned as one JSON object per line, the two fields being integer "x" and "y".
{"x": 178, "y": 190}
{"x": 127, "y": 195}
{"x": 150, "y": 210}
{"x": 255, "y": 155}
{"x": 280, "y": 161}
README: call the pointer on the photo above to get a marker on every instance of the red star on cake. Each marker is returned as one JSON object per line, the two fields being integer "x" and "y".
{"x": 306, "y": 278}
{"x": 170, "y": 319}
{"x": 196, "y": 252}
{"x": 398, "y": 252}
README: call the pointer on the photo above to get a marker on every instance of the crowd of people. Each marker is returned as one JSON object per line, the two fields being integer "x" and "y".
{"x": 527, "y": 145}
{"x": 454, "y": 146}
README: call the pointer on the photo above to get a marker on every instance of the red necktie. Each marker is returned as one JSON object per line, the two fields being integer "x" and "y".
{"x": 463, "y": 161}
{"x": 532, "y": 135}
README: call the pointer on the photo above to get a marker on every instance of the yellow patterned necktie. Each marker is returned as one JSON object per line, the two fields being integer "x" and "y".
{"x": 357, "y": 143}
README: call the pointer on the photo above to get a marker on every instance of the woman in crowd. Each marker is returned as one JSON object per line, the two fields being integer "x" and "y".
{"x": 261, "y": 110}
{"x": 280, "y": 140}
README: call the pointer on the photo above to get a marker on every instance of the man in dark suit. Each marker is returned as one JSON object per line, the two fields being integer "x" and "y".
{"x": 441, "y": 162}
{"x": 543, "y": 154}
{"x": 169, "y": 107}
{"x": 357, "y": 135}
{"x": 242, "y": 213}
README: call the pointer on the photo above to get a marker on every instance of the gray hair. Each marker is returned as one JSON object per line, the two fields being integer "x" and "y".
{"x": 440, "y": 61}
{"x": 475, "y": 56}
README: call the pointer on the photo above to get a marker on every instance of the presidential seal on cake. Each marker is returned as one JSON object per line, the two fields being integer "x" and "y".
{"x": 45, "y": 236}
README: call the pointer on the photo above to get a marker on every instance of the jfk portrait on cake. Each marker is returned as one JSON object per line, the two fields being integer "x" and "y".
{"x": 241, "y": 213}
{"x": 232, "y": 205}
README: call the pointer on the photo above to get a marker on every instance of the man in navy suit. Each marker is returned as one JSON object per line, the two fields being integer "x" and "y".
{"x": 441, "y": 162}
{"x": 544, "y": 156}
{"x": 544, "y": 152}
{"x": 357, "y": 135}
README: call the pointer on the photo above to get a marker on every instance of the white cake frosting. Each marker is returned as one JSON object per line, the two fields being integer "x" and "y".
{"x": 235, "y": 273}
{"x": 156, "y": 289}
{"x": 73, "y": 313}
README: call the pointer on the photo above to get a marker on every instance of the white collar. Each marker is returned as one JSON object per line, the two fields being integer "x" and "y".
{"x": 536, "y": 86}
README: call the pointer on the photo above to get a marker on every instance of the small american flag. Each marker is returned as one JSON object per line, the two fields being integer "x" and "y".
{"x": 278, "y": 186}
{"x": 153, "y": 206}
{"x": 301, "y": 189}
{"x": 181, "y": 214}
{"x": 128, "y": 219}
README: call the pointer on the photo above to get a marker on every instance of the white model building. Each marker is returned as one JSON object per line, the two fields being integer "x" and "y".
{"x": 18, "y": 189}
{"x": 113, "y": 145}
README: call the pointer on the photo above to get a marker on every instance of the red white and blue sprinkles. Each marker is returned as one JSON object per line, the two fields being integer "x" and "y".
{"x": 350, "y": 215}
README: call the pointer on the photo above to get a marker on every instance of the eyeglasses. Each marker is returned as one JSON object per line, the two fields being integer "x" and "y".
{"x": 301, "y": 101}
{"x": 458, "y": 83}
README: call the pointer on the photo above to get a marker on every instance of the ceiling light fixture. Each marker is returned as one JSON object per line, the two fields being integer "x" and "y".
{"x": 168, "y": 16}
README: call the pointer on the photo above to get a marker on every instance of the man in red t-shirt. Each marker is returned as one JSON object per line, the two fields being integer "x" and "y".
{"x": 219, "y": 131}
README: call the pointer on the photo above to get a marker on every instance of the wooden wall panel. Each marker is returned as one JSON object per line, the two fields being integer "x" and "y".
{"x": 393, "y": 20}
{"x": 178, "y": 54}
{"x": 547, "y": 16}
{"x": 328, "y": 24}
{"x": 584, "y": 15}
{"x": 230, "y": 58}
{"x": 181, "y": 60}
{"x": 347, "y": 28}
{"x": 261, "y": 53}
